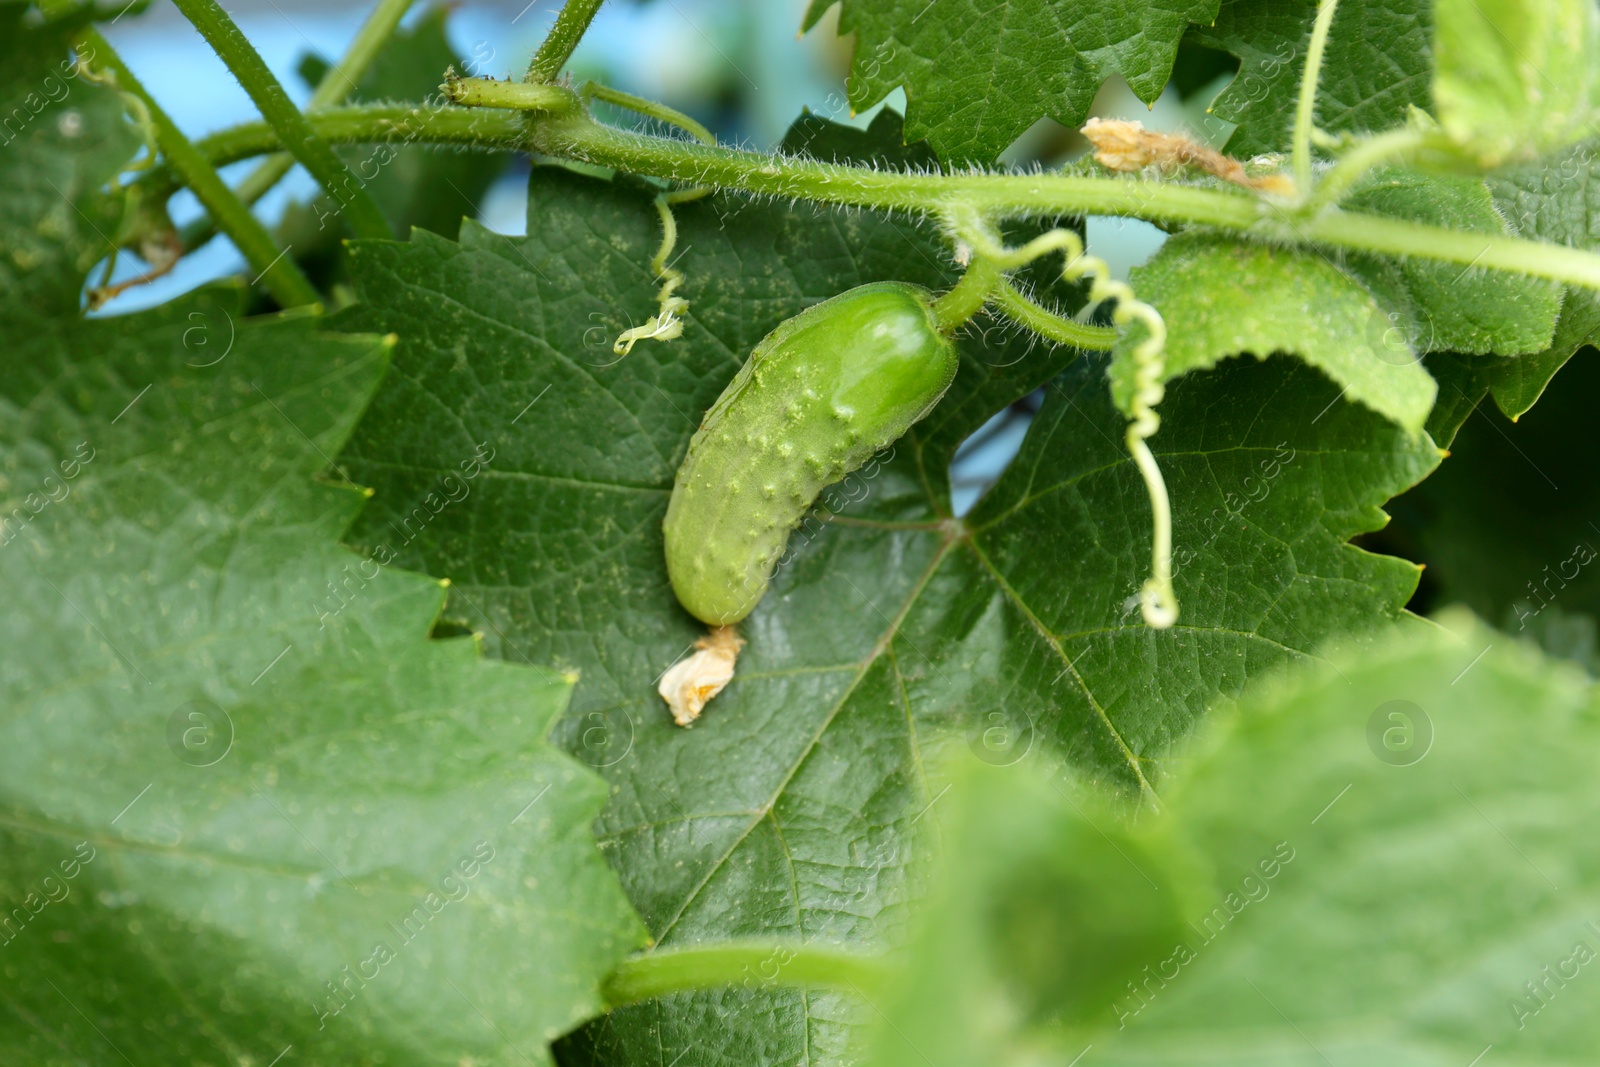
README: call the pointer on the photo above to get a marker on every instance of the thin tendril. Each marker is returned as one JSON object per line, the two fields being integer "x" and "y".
{"x": 1157, "y": 600}
{"x": 668, "y": 322}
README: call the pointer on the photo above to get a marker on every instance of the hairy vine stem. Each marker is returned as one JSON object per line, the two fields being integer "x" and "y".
{"x": 757, "y": 964}
{"x": 573, "y": 135}
{"x": 570, "y": 26}
{"x": 1014, "y": 305}
{"x": 966, "y": 298}
{"x": 569, "y": 133}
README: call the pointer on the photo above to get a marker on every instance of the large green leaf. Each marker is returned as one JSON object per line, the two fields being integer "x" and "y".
{"x": 1515, "y": 384}
{"x": 1442, "y": 306}
{"x": 61, "y": 139}
{"x": 893, "y": 630}
{"x": 1367, "y": 321}
{"x": 1551, "y": 200}
{"x": 1368, "y": 877}
{"x": 246, "y": 805}
{"x": 977, "y": 73}
{"x": 1221, "y": 298}
{"x": 1377, "y": 65}
{"x": 1515, "y": 78}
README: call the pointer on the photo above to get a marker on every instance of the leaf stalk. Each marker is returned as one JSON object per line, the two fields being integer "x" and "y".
{"x": 570, "y": 26}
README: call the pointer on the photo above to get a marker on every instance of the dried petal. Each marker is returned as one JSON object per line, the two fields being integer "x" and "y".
{"x": 691, "y": 682}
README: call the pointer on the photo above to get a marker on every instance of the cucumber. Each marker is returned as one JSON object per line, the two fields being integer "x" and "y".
{"x": 818, "y": 397}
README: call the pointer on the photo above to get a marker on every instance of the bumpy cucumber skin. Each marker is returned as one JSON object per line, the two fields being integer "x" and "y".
{"x": 818, "y": 397}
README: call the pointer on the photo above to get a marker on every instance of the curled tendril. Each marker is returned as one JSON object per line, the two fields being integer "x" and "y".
{"x": 1157, "y": 600}
{"x": 668, "y": 322}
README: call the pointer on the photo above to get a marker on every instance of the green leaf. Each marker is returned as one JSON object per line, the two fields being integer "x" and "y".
{"x": 977, "y": 73}
{"x": 1221, "y": 298}
{"x": 1444, "y": 307}
{"x": 1551, "y": 201}
{"x": 61, "y": 139}
{"x": 248, "y": 806}
{"x": 894, "y": 630}
{"x": 1369, "y": 880}
{"x": 1515, "y": 384}
{"x": 1514, "y": 79}
{"x": 1376, "y": 67}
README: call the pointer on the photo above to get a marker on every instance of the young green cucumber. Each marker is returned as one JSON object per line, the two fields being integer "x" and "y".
{"x": 819, "y": 395}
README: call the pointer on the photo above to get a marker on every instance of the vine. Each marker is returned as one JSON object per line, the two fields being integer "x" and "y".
{"x": 556, "y": 125}
{"x": 556, "y": 120}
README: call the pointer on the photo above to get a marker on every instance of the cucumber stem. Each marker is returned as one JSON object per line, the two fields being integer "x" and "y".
{"x": 966, "y": 298}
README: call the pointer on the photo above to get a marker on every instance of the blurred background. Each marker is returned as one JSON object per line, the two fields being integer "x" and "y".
{"x": 739, "y": 66}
